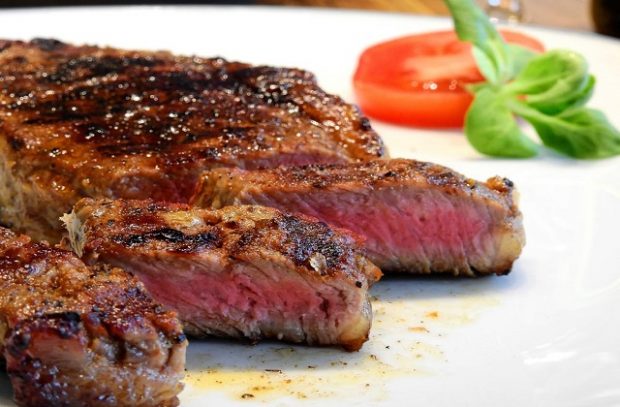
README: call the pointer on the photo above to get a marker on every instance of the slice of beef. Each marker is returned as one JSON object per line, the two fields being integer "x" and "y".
{"x": 83, "y": 121}
{"x": 244, "y": 271}
{"x": 74, "y": 335}
{"x": 416, "y": 217}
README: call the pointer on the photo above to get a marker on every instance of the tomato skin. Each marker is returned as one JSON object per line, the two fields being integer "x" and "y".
{"x": 416, "y": 109}
{"x": 420, "y": 80}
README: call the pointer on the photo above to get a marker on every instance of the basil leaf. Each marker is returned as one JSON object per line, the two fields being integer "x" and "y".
{"x": 492, "y": 129}
{"x": 561, "y": 97}
{"x": 490, "y": 50}
{"x": 543, "y": 72}
{"x": 579, "y": 133}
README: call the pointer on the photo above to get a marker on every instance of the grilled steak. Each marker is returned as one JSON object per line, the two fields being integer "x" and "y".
{"x": 416, "y": 217}
{"x": 78, "y": 336}
{"x": 245, "y": 271}
{"x": 83, "y": 121}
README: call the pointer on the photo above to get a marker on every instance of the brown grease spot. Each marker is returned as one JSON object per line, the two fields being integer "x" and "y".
{"x": 432, "y": 314}
{"x": 418, "y": 329}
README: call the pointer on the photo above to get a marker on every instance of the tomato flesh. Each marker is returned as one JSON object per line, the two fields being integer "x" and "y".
{"x": 420, "y": 80}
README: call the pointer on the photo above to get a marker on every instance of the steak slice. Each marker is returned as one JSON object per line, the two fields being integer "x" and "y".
{"x": 245, "y": 271}
{"x": 416, "y": 217}
{"x": 78, "y": 336}
{"x": 83, "y": 121}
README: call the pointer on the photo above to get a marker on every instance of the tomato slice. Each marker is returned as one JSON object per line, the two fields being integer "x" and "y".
{"x": 420, "y": 79}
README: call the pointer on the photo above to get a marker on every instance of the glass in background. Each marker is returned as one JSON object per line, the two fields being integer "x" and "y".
{"x": 510, "y": 11}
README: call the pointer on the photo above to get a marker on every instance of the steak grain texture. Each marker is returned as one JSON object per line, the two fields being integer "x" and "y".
{"x": 83, "y": 121}
{"x": 416, "y": 217}
{"x": 78, "y": 336}
{"x": 247, "y": 271}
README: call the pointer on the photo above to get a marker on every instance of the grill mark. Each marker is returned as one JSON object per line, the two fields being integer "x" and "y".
{"x": 100, "y": 117}
{"x": 81, "y": 68}
{"x": 47, "y": 44}
{"x": 177, "y": 240}
{"x": 16, "y": 143}
{"x": 303, "y": 239}
{"x": 65, "y": 324}
{"x": 321, "y": 176}
{"x": 244, "y": 240}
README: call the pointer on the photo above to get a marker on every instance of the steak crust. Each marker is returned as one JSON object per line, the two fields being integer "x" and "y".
{"x": 246, "y": 271}
{"x": 416, "y": 217}
{"x": 78, "y": 336}
{"x": 84, "y": 121}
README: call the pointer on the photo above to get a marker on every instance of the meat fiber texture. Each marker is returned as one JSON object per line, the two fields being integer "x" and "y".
{"x": 73, "y": 335}
{"x": 415, "y": 217}
{"x": 247, "y": 271}
{"x": 84, "y": 121}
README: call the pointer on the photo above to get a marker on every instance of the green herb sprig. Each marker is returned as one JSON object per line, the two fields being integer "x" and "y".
{"x": 547, "y": 90}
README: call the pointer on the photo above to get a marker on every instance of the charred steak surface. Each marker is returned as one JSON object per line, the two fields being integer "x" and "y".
{"x": 83, "y": 121}
{"x": 78, "y": 336}
{"x": 416, "y": 217}
{"x": 245, "y": 271}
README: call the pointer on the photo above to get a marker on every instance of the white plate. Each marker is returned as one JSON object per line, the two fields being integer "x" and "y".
{"x": 546, "y": 335}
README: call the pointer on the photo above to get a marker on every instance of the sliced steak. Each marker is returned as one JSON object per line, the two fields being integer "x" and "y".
{"x": 83, "y": 121}
{"x": 243, "y": 271}
{"x": 416, "y": 217}
{"x": 78, "y": 336}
